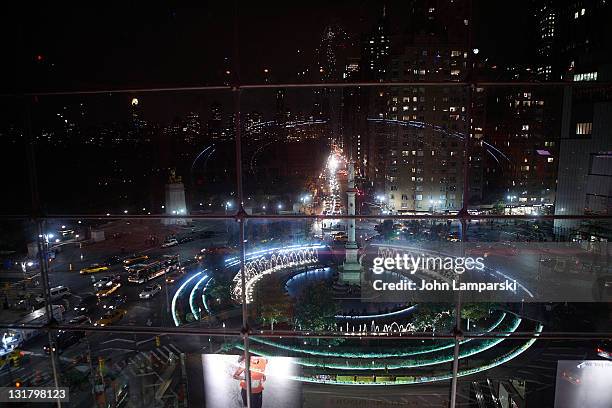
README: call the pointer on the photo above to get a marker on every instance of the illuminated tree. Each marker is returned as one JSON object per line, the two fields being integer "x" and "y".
{"x": 433, "y": 317}
{"x": 316, "y": 308}
{"x": 476, "y": 311}
{"x": 272, "y": 303}
{"x": 220, "y": 289}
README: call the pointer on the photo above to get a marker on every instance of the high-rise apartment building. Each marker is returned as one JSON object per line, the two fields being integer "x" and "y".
{"x": 416, "y": 134}
{"x": 521, "y": 124}
{"x": 375, "y": 50}
{"x": 585, "y": 172}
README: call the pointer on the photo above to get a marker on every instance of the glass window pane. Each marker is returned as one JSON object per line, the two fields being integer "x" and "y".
{"x": 136, "y": 153}
{"x": 561, "y": 278}
{"x": 16, "y": 159}
{"x": 142, "y": 272}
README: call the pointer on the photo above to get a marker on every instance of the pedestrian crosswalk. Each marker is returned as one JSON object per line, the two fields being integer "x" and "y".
{"x": 142, "y": 362}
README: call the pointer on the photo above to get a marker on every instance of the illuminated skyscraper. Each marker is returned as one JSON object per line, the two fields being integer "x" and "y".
{"x": 375, "y": 50}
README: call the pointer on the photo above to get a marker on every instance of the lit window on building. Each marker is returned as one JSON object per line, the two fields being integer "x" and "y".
{"x": 584, "y": 128}
{"x": 588, "y": 76}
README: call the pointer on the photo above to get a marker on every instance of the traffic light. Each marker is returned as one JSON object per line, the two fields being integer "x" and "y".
{"x": 157, "y": 341}
{"x": 101, "y": 364}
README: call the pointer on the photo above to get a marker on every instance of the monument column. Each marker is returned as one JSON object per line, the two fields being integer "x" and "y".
{"x": 351, "y": 269}
{"x": 175, "y": 200}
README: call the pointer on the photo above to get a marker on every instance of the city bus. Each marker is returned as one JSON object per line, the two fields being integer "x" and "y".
{"x": 14, "y": 337}
{"x": 142, "y": 273}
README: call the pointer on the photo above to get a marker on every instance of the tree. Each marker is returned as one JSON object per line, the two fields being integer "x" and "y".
{"x": 316, "y": 308}
{"x": 220, "y": 289}
{"x": 272, "y": 302}
{"x": 475, "y": 311}
{"x": 433, "y": 316}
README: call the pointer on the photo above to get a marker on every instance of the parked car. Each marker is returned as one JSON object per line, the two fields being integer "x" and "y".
{"x": 150, "y": 291}
{"x": 94, "y": 268}
{"x": 87, "y": 305}
{"x": 110, "y": 317}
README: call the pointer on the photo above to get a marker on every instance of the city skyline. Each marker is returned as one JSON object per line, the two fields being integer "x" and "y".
{"x": 374, "y": 203}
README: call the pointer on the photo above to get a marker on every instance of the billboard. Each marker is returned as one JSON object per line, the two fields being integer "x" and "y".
{"x": 273, "y": 381}
{"x": 583, "y": 384}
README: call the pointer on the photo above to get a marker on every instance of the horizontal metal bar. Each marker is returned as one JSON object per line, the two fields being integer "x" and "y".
{"x": 110, "y": 91}
{"x": 295, "y": 85}
{"x": 246, "y": 216}
{"x": 578, "y": 84}
{"x": 195, "y": 331}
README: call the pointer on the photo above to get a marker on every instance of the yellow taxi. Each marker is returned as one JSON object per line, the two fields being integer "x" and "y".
{"x": 341, "y": 237}
{"x": 110, "y": 317}
{"x": 102, "y": 293}
{"x": 135, "y": 259}
{"x": 11, "y": 357}
{"x": 95, "y": 268}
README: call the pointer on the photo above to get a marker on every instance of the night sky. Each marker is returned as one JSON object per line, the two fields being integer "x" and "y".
{"x": 137, "y": 44}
